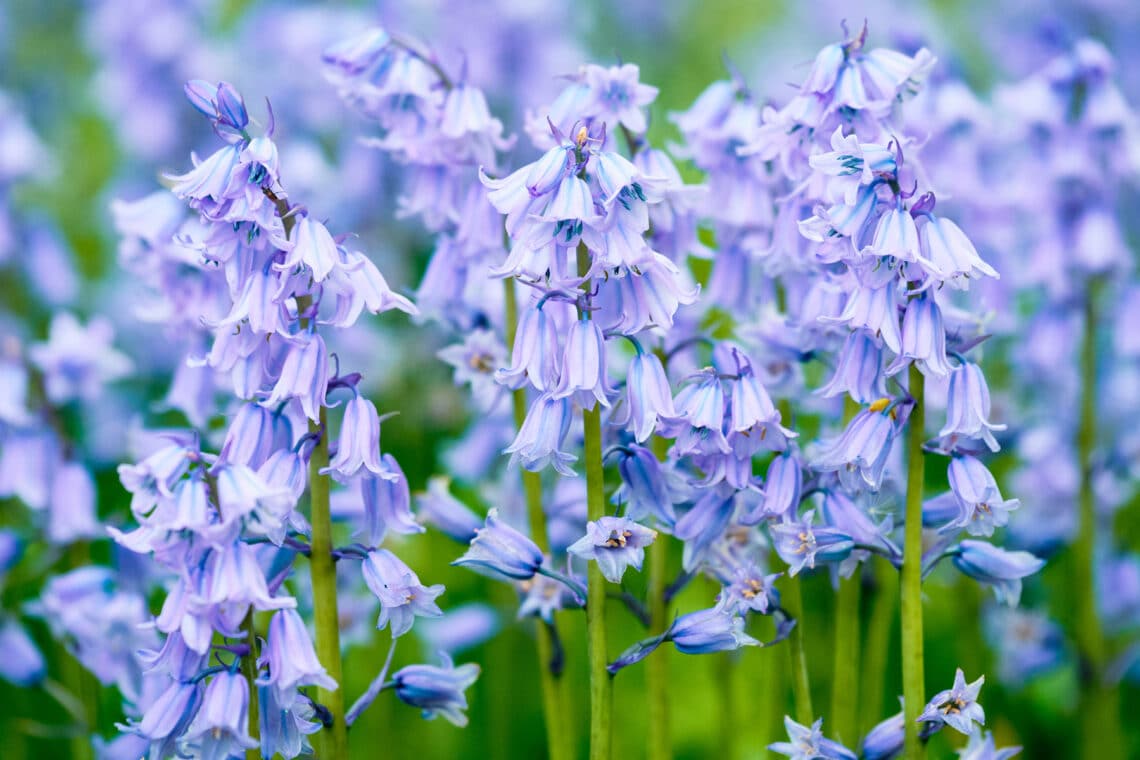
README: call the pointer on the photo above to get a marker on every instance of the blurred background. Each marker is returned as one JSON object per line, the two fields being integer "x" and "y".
{"x": 91, "y": 110}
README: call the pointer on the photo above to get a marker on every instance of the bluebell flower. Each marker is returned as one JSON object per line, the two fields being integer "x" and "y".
{"x": 809, "y": 744}
{"x": 154, "y": 477}
{"x": 167, "y": 718}
{"x": 285, "y": 724}
{"x": 852, "y": 164}
{"x": 232, "y": 575}
{"x": 648, "y": 397}
{"x": 968, "y": 406}
{"x": 923, "y": 338}
{"x": 253, "y": 434}
{"x": 755, "y": 421}
{"x": 402, "y": 596}
{"x": 716, "y": 629}
{"x": 304, "y": 375}
{"x": 76, "y": 361}
{"x": 614, "y": 543}
{"x": 220, "y": 730}
{"x": 358, "y": 444}
{"x": 617, "y": 95}
{"x": 750, "y": 590}
{"x": 858, "y": 370}
{"x": 437, "y": 691}
{"x": 649, "y": 298}
{"x": 957, "y": 706}
{"x": 288, "y": 653}
{"x": 311, "y": 245}
{"x": 541, "y": 437}
{"x": 444, "y": 511}
{"x": 501, "y": 551}
{"x": 801, "y": 545}
{"x": 543, "y": 596}
{"x": 288, "y": 470}
{"x": 71, "y": 505}
{"x": 22, "y": 664}
{"x": 476, "y": 362}
{"x": 783, "y": 485}
{"x": 860, "y": 453}
{"x": 584, "y": 366}
{"x": 704, "y": 524}
{"x": 1000, "y": 569}
{"x": 980, "y": 502}
{"x": 885, "y": 741}
{"x": 981, "y": 747}
{"x": 460, "y": 628}
{"x": 535, "y": 356}
{"x": 875, "y": 309}
{"x": 646, "y": 487}
{"x": 699, "y": 425}
{"x": 244, "y": 495}
{"x": 843, "y": 513}
{"x": 947, "y": 254}
{"x": 1027, "y": 643}
{"x": 387, "y": 503}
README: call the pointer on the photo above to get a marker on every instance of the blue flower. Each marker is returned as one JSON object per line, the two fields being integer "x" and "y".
{"x": 500, "y": 551}
{"x": 615, "y": 543}
{"x": 359, "y": 442}
{"x": 957, "y": 706}
{"x": 304, "y": 374}
{"x": 981, "y": 747}
{"x": 858, "y": 370}
{"x": 535, "y": 356}
{"x": 859, "y": 455}
{"x": 648, "y": 397}
{"x": 387, "y": 503}
{"x": 288, "y": 653}
{"x": 168, "y": 717}
{"x": 981, "y": 506}
{"x": 402, "y": 596}
{"x": 808, "y": 743}
{"x": 22, "y": 664}
{"x": 998, "y": 568}
{"x": 885, "y": 741}
{"x": 542, "y": 435}
{"x": 446, "y": 512}
{"x": 923, "y": 338}
{"x": 802, "y": 545}
{"x": 437, "y": 691}
{"x": 648, "y": 486}
{"x": 220, "y": 729}
{"x": 968, "y": 406}
{"x": 584, "y": 366}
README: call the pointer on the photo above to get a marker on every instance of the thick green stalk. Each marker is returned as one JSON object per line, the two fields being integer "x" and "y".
{"x": 1100, "y": 702}
{"x": 792, "y": 598}
{"x": 249, "y": 669}
{"x": 914, "y": 689}
{"x": 659, "y": 743}
{"x": 334, "y": 739}
{"x": 845, "y": 682}
{"x": 878, "y": 644}
{"x": 554, "y": 699}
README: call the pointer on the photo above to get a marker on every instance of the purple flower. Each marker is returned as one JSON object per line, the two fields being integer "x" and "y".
{"x": 615, "y": 543}
{"x": 292, "y": 662}
{"x": 957, "y": 707}
{"x": 859, "y": 455}
{"x": 542, "y": 435}
{"x": 476, "y": 361}
{"x": 584, "y": 366}
{"x": 859, "y": 369}
{"x": 698, "y": 427}
{"x": 648, "y": 397}
{"x": 304, "y": 375}
{"x": 809, "y": 744}
{"x": 437, "y": 691}
{"x": 22, "y": 664}
{"x": 981, "y": 747}
{"x": 254, "y": 433}
{"x": 885, "y": 741}
{"x": 168, "y": 717}
{"x": 387, "y": 503}
{"x": 402, "y": 596}
{"x": 713, "y": 630}
{"x": 359, "y": 442}
{"x": 498, "y": 550}
{"x": 220, "y": 729}
{"x": 755, "y": 423}
{"x": 980, "y": 503}
{"x": 535, "y": 356}
{"x": 617, "y": 95}
{"x": 645, "y": 486}
{"x": 968, "y": 406}
{"x": 446, "y": 512}
{"x": 750, "y": 590}
{"x": 77, "y": 361}
{"x": 875, "y": 309}
{"x": 313, "y": 246}
{"x": 543, "y": 596}
{"x": 783, "y": 485}
{"x": 71, "y": 505}
{"x": 998, "y": 568}
{"x": 923, "y": 338}
{"x": 284, "y": 725}
{"x": 802, "y": 545}
{"x": 948, "y": 254}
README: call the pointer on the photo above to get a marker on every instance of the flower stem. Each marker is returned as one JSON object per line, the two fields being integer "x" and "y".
{"x": 878, "y": 643}
{"x": 554, "y": 700}
{"x": 914, "y": 689}
{"x": 792, "y": 599}
{"x": 845, "y": 683}
{"x": 249, "y": 669}
{"x": 334, "y": 739}
{"x": 1100, "y": 703}
{"x": 76, "y": 678}
{"x": 601, "y": 685}
{"x": 659, "y": 744}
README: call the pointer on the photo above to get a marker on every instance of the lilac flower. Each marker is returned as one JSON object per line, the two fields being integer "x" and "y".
{"x": 283, "y": 725}
{"x": 750, "y": 590}
{"x": 220, "y": 728}
{"x": 981, "y": 506}
{"x": 809, "y": 744}
{"x": 402, "y": 596}
{"x": 500, "y": 551}
{"x": 615, "y": 543}
{"x": 584, "y": 366}
{"x": 167, "y": 718}
{"x": 387, "y": 503}
{"x": 78, "y": 361}
{"x": 304, "y": 375}
{"x": 885, "y": 741}
{"x": 859, "y": 370}
{"x": 476, "y": 361}
{"x": 22, "y": 665}
{"x": 957, "y": 707}
{"x": 542, "y": 435}
{"x": 648, "y": 397}
{"x": 859, "y": 455}
{"x": 923, "y": 338}
{"x": 535, "y": 355}
{"x": 981, "y": 747}
{"x": 646, "y": 488}
{"x": 998, "y": 568}
{"x": 801, "y": 545}
{"x": 968, "y": 406}
{"x": 292, "y": 662}
{"x": 698, "y": 427}
{"x": 437, "y": 691}
{"x": 755, "y": 422}
{"x": 359, "y": 442}
{"x": 447, "y": 513}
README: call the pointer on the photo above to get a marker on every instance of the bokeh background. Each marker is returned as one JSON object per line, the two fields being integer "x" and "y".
{"x": 91, "y": 110}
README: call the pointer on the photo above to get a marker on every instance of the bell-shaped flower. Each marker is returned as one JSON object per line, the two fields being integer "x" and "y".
{"x": 885, "y": 741}
{"x": 437, "y": 691}
{"x": 980, "y": 503}
{"x": 292, "y": 661}
{"x": 542, "y": 435}
{"x": 783, "y": 486}
{"x": 645, "y": 486}
{"x": 801, "y": 544}
{"x": 649, "y": 297}
{"x": 755, "y": 421}
{"x": 254, "y": 434}
{"x": 359, "y": 442}
{"x": 314, "y": 247}
{"x": 876, "y": 311}
{"x": 232, "y": 575}
{"x": 402, "y": 596}
{"x": 947, "y": 254}
{"x": 957, "y": 706}
{"x": 923, "y": 338}
{"x": 543, "y": 596}
{"x": 167, "y": 718}
{"x": 500, "y": 551}
{"x": 535, "y": 356}
{"x": 285, "y": 724}
{"x": 750, "y": 590}
{"x": 704, "y": 524}
{"x": 699, "y": 424}
{"x": 809, "y": 743}
{"x": 648, "y": 397}
{"x": 860, "y": 453}
{"x": 153, "y": 477}
{"x": 1000, "y": 569}
{"x": 387, "y": 503}
{"x": 617, "y": 95}
{"x": 221, "y": 728}
{"x": 304, "y": 375}
{"x": 615, "y": 543}
{"x": 981, "y": 746}
{"x": 23, "y": 665}
{"x": 896, "y": 236}
{"x": 584, "y": 366}
{"x": 858, "y": 370}
{"x": 713, "y": 630}
{"x": 968, "y": 406}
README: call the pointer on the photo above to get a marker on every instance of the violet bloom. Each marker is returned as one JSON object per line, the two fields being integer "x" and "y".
{"x": 859, "y": 369}
{"x": 923, "y": 338}
{"x": 755, "y": 421}
{"x": 615, "y": 543}
{"x": 220, "y": 729}
{"x": 359, "y": 442}
{"x": 498, "y": 550}
{"x": 876, "y": 311}
{"x": 981, "y": 747}
{"x": 388, "y": 503}
{"x": 645, "y": 486}
{"x": 968, "y": 406}
{"x": 476, "y": 361}
{"x": 77, "y": 361}
{"x": 304, "y": 374}
{"x": 998, "y": 568}
{"x": 292, "y": 661}
{"x": 980, "y": 503}
{"x": 885, "y": 741}
{"x": 801, "y": 545}
{"x": 860, "y": 453}
{"x": 809, "y": 744}
{"x": 783, "y": 484}
{"x": 947, "y": 254}
{"x": 313, "y": 246}
{"x": 444, "y": 511}
{"x": 167, "y": 718}
{"x": 618, "y": 96}
{"x": 284, "y": 726}
{"x": 957, "y": 707}
{"x": 22, "y": 664}
{"x": 543, "y": 596}
{"x": 254, "y": 434}
{"x": 750, "y": 590}
{"x": 713, "y": 630}
{"x": 535, "y": 356}
{"x": 584, "y": 366}
{"x": 698, "y": 427}
{"x": 402, "y": 596}
{"x": 648, "y": 397}
{"x": 437, "y": 691}
{"x": 542, "y": 435}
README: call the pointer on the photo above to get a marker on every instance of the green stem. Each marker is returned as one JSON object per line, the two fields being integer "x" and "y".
{"x": 249, "y": 669}
{"x": 1100, "y": 703}
{"x": 601, "y": 685}
{"x": 554, "y": 698}
{"x": 845, "y": 684}
{"x": 793, "y": 602}
{"x": 334, "y": 739}
{"x": 659, "y": 743}
{"x": 76, "y": 678}
{"x": 914, "y": 690}
{"x": 878, "y": 643}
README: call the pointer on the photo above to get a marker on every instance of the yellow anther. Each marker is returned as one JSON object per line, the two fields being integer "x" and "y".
{"x": 880, "y": 404}
{"x": 582, "y": 136}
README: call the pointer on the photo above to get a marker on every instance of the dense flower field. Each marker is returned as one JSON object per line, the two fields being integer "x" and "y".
{"x": 523, "y": 380}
